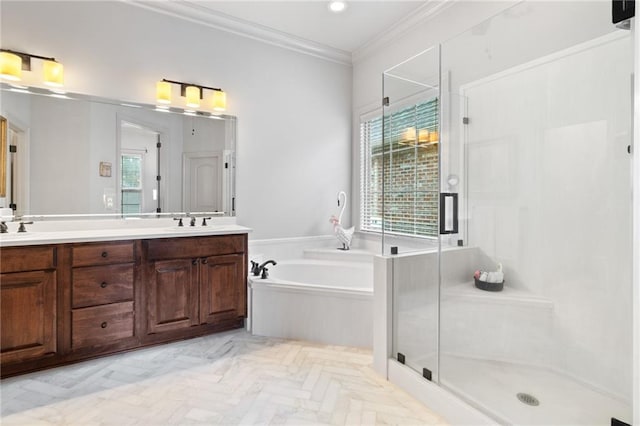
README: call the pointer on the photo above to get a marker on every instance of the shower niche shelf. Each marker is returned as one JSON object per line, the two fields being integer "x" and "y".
{"x": 509, "y": 296}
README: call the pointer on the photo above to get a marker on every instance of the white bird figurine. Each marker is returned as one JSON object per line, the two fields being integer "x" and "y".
{"x": 344, "y": 235}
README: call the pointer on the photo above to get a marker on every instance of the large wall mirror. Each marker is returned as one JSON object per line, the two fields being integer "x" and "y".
{"x": 74, "y": 155}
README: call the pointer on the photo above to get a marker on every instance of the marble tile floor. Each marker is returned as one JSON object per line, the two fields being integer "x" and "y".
{"x": 224, "y": 379}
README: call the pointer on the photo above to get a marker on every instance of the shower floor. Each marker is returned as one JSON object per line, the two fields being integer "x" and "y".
{"x": 493, "y": 386}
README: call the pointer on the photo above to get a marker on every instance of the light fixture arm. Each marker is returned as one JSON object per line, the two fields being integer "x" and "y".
{"x": 26, "y": 58}
{"x": 183, "y": 87}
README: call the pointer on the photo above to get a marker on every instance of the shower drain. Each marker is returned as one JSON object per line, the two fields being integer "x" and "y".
{"x": 528, "y": 399}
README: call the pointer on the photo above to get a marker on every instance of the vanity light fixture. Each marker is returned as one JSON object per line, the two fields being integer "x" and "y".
{"x": 193, "y": 96}
{"x": 163, "y": 92}
{"x": 12, "y": 64}
{"x": 193, "y": 93}
{"x": 219, "y": 100}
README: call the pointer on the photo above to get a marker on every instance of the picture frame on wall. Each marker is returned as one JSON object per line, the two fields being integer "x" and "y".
{"x": 105, "y": 169}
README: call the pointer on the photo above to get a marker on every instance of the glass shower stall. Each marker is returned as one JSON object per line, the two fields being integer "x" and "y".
{"x": 525, "y": 167}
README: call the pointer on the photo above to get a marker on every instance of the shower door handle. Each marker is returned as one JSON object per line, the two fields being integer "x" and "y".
{"x": 448, "y": 213}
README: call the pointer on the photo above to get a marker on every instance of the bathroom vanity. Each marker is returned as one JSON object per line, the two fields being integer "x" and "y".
{"x": 69, "y": 296}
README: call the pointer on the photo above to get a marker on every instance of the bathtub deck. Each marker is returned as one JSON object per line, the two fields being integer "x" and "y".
{"x": 352, "y": 255}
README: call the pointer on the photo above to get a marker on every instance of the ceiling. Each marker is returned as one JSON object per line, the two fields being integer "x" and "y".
{"x": 312, "y": 20}
{"x": 304, "y": 25}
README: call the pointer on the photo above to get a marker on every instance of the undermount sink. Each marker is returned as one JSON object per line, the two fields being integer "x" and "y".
{"x": 190, "y": 228}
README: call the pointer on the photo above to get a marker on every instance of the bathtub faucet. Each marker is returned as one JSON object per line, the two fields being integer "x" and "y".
{"x": 257, "y": 270}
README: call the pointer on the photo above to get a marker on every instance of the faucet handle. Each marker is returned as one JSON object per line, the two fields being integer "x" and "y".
{"x": 3, "y": 227}
{"x": 204, "y": 220}
{"x": 255, "y": 269}
{"x": 265, "y": 273}
{"x": 179, "y": 219}
{"x": 22, "y": 226}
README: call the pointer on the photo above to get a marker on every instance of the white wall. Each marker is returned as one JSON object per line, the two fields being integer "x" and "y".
{"x": 548, "y": 197}
{"x": 293, "y": 110}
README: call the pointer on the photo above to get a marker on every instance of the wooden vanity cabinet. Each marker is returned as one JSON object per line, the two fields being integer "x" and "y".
{"x": 63, "y": 303}
{"x": 195, "y": 283}
{"x": 28, "y": 304}
{"x": 102, "y": 294}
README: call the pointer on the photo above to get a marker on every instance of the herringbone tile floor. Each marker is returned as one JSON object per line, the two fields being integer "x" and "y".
{"x": 228, "y": 378}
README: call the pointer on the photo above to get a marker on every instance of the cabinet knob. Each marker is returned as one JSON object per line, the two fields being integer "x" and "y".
{"x": 103, "y": 325}
{"x": 194, "y": 262}
{"x": 205, "y": 261}
{"x": 103, "y": 284}
{"x": 105, "y": 254}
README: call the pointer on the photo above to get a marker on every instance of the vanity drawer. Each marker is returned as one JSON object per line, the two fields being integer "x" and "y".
{"x": 102, "y": 253}
{"x": 101, "y": 324}
{"x": 33, "y": 258}
{"x": 99, "y": 285}
{"x": 174, "y": 248}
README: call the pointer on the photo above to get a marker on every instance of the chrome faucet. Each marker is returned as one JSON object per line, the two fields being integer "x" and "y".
{"x": 261, "y": 269}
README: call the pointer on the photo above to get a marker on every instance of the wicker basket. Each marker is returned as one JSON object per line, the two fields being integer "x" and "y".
{"x": 483, "y": 285}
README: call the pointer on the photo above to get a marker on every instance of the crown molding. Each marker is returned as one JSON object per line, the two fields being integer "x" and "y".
{"x": 221, "y": 21}
{"x": 424, "y": 13}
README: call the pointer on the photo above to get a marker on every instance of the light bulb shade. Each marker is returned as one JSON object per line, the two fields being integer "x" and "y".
{"x": 163, "y": 92}
{"x": 193, "y": 96}
{"x": 53, "y": 73}
{"x": 219, "y": 100}
{"x": 10, "y": 66}
{"x": 409, "y": 135}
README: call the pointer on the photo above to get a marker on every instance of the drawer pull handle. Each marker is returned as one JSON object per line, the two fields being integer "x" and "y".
{"x": 103, "y": 325}
{"x": 103, "y": 284}
{"x": 194, "y": 262}
{"x": 105, "y": 254}
{"x": 205, "y": 261}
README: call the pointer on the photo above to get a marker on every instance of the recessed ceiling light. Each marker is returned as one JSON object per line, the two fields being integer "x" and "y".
{"x": 337, "y": 6}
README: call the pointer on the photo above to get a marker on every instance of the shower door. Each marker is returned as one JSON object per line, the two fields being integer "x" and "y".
{"x": 409, "y": 165}
{"x": 543, "y": 178}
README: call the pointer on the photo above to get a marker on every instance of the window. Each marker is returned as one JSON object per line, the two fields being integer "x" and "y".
{"x": 131, "y": 167}
{"x": 409, "y": 160}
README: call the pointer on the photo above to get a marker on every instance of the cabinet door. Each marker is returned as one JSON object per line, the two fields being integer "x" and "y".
{"x": 172, "y": 295}
{"x": 28, "y": 312}
{"x": 222, "y": 288}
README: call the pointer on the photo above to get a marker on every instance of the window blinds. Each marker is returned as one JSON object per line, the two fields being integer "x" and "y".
{"x": 401, "y": 174}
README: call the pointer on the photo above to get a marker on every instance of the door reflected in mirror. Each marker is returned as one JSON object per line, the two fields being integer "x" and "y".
{"x": 87, "y": 155}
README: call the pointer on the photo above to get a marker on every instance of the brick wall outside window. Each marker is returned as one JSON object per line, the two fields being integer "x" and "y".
{"x": 408, "y": 161}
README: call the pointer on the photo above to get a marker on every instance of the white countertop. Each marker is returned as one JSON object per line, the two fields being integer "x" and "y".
{"x": 55, "y": 232}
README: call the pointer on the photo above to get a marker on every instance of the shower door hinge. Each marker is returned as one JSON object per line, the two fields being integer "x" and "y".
{"x": 465, "y": 120}
{"x": 159, "y": 144}
{"x": 621, "y": 13}
{"x": 158, "y": 178}
{"x": 426, "y": 373}
{"x": 400, "y": 358}
{"x": 385, "y": 101}
{"x": 616, "y": 422}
